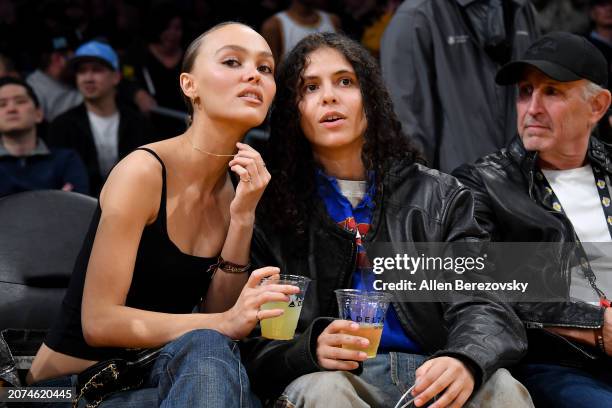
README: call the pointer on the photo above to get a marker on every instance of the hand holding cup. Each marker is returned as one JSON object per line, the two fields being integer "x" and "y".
{"x": 282, "y": 327}
{"x": 242, "y": 318}
{"x": 338, "y": 348}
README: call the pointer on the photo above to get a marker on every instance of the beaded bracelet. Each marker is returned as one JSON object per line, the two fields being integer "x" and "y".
{"x": 230, "y": 267}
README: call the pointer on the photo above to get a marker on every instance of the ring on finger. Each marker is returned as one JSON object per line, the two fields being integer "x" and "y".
{"x": 248, "y": 180}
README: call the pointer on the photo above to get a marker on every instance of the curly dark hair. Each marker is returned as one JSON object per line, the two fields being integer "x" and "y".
{"x": 288, "y": 200}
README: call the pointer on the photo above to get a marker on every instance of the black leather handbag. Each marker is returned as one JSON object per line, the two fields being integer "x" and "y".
{"x": 114, "y": 375}
{"x": 17, "y": 350}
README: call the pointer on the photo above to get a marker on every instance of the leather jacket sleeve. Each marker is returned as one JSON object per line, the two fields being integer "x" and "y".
{"x": 274, "y": 364}
{"x": 483, "y": 331}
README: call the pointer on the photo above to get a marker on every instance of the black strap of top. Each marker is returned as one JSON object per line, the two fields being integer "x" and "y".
{"x": 162, "y": 205}
{"x": 146, "y": 149}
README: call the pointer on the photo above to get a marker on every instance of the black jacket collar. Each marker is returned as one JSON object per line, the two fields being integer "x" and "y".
{"x": 598, "y": 152}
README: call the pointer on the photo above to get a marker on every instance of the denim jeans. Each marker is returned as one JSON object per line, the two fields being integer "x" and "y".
{"x": 200, "y": 369}
{"x": 384, "y": 380}
{"x": 552, "y": 385}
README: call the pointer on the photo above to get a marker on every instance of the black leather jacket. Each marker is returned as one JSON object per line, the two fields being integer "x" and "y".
{"x": 416, "y": 204}
{"x": 511, "y": 206}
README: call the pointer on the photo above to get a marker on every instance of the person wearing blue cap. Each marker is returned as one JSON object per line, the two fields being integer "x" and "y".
{"x": 100, "y": 129}
{"x": 552, "y": 184}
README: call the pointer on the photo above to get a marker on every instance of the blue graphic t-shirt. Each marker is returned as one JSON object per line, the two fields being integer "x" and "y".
{"x": 357, "y": 220}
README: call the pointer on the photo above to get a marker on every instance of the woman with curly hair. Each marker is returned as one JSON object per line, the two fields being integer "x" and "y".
{"x": 345, "y": 177}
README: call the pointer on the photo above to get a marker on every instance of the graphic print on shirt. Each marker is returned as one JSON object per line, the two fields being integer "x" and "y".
{"x": 361, "y": 230}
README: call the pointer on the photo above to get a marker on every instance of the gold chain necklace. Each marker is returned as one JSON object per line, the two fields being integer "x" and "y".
{"x": 204, "y": 151}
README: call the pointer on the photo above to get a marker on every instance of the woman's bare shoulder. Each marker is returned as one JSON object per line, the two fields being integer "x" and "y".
{"x": 134, "y": 184}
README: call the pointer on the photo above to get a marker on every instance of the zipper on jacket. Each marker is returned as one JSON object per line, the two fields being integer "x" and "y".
{"x": 566, "y": 222}
{"x": 367, "y": 239}
{"x": 533, "y": 325}
{"x": 537, "y": 325}
{"x": 342, "y": 277}
{"x": 573, "y": 345}
{"x": 565, "y": 263}
{"x": 531, "y": 186}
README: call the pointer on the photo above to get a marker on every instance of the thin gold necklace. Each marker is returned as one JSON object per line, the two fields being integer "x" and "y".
{"x": 204, "y": 151}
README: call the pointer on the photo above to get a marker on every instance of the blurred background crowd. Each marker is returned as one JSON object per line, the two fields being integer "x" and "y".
{"x": 128, "y": 94}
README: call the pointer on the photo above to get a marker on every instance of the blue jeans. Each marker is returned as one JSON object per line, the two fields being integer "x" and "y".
{"x": 392, "y": 373}
{"x": 199, "y": 369}
{"x": 552, "y": 385}
{"x": 384, "y": 380}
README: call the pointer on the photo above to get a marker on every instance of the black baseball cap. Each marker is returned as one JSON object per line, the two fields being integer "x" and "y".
{"x": 563, "y": 57}
{"x": 55, "y": 41}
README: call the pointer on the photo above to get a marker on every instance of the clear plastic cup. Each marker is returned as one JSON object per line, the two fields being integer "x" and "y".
{"x": 368, "y": 309}
{"x": 283, "y": 327}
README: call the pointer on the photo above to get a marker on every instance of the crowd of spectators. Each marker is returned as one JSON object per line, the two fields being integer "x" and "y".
{"x": 84, "y": 83}
{"x": 38, "y": 40}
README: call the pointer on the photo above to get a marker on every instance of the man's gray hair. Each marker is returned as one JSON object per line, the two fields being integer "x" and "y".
{"x": 590, "y": 89}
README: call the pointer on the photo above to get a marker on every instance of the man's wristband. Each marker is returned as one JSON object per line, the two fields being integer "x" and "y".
{"x": 599, "y": 332}
{"x": 599, "y": 339}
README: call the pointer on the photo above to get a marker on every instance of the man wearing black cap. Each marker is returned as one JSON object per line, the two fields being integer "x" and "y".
{"x": 100, "y": 129}
{"x": 552, "y": 184}
{"x": 51, "y": 81}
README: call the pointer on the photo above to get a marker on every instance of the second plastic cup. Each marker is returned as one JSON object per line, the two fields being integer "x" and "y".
{"x": 368, "y": 309}
{"x": 283, "y": 327}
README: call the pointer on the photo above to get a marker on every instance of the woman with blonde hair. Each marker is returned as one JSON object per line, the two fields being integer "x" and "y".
{"x": 172, "y": 235}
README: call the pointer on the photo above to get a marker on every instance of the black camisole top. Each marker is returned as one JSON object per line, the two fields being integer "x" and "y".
{"x": 164, "y": 280}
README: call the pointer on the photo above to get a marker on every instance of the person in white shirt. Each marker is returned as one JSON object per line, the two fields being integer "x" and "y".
{"x": 285, "y": 29}
{"x": 552, "y": 184}
{"x": 100, "y": 129}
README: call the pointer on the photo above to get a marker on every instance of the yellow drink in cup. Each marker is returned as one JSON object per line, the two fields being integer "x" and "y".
{"x": 372, "y": 332}
{"x": 283, "y": 327}
{"x": 368, "y": 309}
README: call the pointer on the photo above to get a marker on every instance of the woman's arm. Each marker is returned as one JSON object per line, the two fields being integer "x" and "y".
{"x": 254, "y": 177}
{"x": 130, "y": 201}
